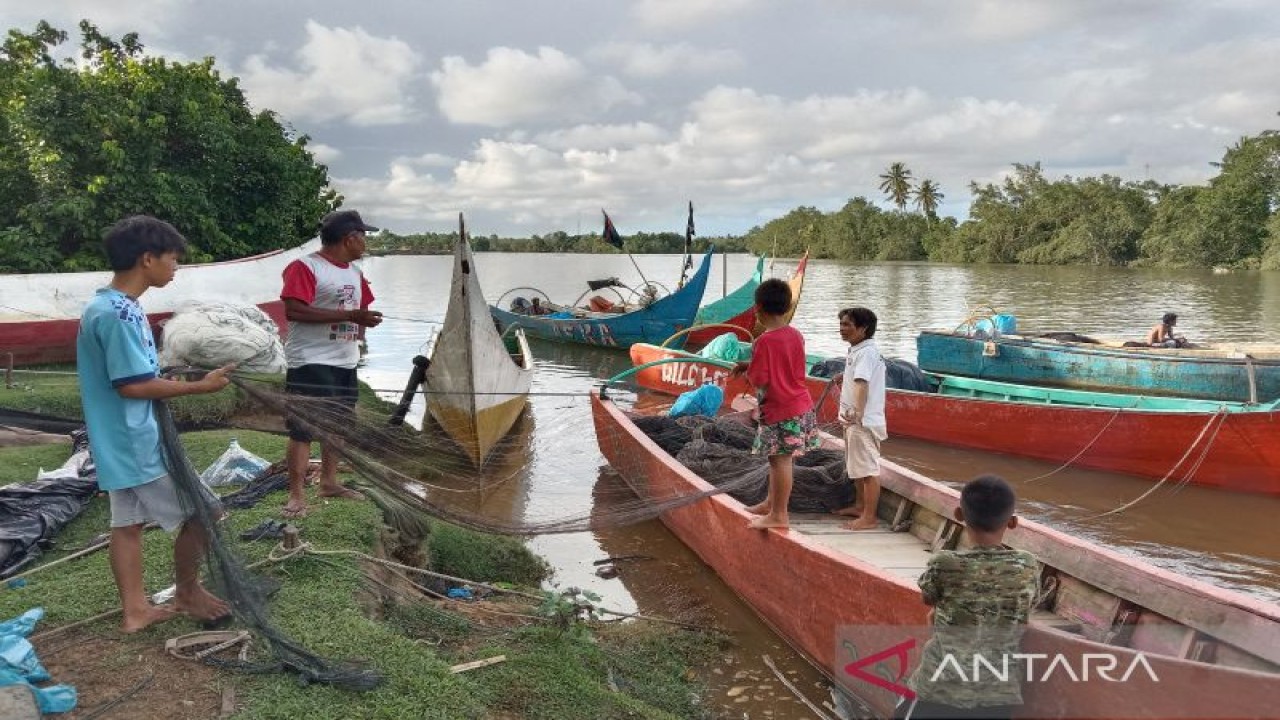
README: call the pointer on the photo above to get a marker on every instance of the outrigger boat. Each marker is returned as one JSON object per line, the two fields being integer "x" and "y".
{"x": 1170, "y": 646}
{"x": 1247, "y": 373}
{"x": 40, "y": 313}
{"x": 738, "y": 309}
{"x": 660, "y": 319}
{"x": 475, "y": 387}
{"x": 1216, "y": 444}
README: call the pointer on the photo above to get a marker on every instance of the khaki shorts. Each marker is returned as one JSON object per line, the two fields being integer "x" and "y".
{"x": 155, "y": 502}
{"x": 861, "y": 452}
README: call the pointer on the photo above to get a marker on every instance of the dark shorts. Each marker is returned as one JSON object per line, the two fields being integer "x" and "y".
{"x": 333, "y": 384}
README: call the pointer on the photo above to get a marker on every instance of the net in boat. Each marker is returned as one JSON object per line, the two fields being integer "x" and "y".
{"x": 719, "y": 451}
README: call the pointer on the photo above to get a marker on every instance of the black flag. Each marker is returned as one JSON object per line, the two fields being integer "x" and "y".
{"x": 611, "y": 235}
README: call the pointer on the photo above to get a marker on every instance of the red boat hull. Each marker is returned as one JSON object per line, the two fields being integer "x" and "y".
{"x": 1234, "y": 451}
{"x": 54, "y": 341}
{"x": 812, "y": 595}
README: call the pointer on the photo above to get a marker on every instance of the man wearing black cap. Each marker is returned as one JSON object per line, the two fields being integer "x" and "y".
{"x": 326, "y": 300}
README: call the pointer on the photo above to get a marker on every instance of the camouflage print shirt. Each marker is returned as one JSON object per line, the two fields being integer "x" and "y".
{"x": 981, "y": 601}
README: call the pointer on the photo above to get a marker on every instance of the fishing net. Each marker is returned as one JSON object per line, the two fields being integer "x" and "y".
{"x": 415, "y": 477}
{"x": 719, "y": 451}
{"x": 244, "y": 591}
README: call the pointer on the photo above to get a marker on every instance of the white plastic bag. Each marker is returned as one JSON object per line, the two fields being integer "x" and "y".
{"x": 236, "y": 466}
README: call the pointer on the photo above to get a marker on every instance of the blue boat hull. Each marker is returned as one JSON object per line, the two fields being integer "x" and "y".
{"x": 1045, "y": 362}
{"x": 653, "y": 324}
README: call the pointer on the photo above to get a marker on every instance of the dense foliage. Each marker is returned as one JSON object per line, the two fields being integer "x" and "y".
{"x": 1233, "y": 221}
{"x": 556, "y": 242}
{"x": 84, "y": 143}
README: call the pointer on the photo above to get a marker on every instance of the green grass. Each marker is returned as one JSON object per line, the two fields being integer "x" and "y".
{"x": 323, "y": 604}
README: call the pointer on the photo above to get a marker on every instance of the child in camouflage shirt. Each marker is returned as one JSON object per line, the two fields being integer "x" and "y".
{"x": 981, "y": 599}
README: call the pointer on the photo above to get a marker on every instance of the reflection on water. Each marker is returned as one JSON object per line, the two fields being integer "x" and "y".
{"x": 1225, "y": 538}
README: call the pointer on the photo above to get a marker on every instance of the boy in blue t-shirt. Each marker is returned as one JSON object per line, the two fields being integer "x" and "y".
{"x": 119, "y": 378}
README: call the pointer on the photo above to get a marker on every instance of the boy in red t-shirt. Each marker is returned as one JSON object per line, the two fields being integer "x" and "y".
{"x": 787, "y": 423}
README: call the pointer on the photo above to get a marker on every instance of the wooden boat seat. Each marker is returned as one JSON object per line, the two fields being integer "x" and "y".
{"x": 902, "y": 554}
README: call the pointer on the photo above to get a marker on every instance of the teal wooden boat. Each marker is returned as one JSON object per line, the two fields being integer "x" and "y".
{"x": 1245, "y": 374}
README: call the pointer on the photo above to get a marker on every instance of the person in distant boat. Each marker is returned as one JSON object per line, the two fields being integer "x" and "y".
{"x": 119, "y": 378}
{"x": 862, "y": 414}
{"x": 326, "y": 300}
{"x": 787, "y": 423}
{"x": 981, "y": 599}
{"x": 537, "y": 308}
{"x": 1162, "y": 335}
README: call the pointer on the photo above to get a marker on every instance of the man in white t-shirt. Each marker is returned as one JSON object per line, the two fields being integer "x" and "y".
{"x": 862, "y": 414}
{"x": 326, "y": 300}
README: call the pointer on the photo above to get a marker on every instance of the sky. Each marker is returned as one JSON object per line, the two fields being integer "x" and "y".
{"x": 533, "y": 117}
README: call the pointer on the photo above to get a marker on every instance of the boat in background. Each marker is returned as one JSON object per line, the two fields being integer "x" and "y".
{"x": 1245, "y": 373}
{"x": 738, "y": 308}
{"x": 475, "y": 388}
{"x": 40, "y": 313}
{"x": 654, "y": 322}
{"x": 1230, "y": 446}
{"x": 844, "y": 599}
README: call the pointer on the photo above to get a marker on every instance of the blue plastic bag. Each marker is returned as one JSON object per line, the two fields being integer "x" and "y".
{"x": 705, "y": 400}
{"x": 19, "y": 664}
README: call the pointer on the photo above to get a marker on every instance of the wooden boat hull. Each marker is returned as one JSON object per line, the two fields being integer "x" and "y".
{"x": 475, "y": 388}
{"x": 40, "y": 313}
{"x": 655, "y": 323}
{"x": 815, "y": 597}
{"x": 1232, "y": 450}
{"x": 1210, "y": 374}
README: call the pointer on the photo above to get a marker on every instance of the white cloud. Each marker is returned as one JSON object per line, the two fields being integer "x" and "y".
{"x": 603, "y": 137}
{"x": 113, "y": 17}
{"x": 645, "y": 60}
{"x": 340, "y": 74}
{"x": 511, "y": 86}
{"x": 686, "y": 14}
{"x": 324, "y": 153}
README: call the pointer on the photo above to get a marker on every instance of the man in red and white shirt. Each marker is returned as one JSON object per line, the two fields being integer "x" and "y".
{"x": 326, "y": 300}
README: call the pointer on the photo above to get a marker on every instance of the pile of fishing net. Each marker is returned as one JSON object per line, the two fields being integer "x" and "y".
{"x": 719, "y": 451}
{"x": 212, "y": 334}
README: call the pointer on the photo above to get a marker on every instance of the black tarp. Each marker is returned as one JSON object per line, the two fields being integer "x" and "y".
{"x": 33, "y": 513}
{"x": 898, "y": 374}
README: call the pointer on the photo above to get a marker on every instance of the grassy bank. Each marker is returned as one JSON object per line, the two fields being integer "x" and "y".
{"x": 341, "y": 607}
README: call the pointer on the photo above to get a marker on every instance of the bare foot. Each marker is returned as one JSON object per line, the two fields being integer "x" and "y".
{"x": 851, "y": 511}
{"x": 862, "y": 523}
{"x": 764, "y": 522}
{"x": 200, "y": 604}
{"x": 153, "y": 615}
{"x": 295, "y": 508}
{"x": 760, "y": 508}
{"x": 339, "y": 491}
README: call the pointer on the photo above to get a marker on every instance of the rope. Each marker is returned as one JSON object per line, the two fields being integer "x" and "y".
{"x": 1083, "y": 450}
{"x": 1221, "y": 417}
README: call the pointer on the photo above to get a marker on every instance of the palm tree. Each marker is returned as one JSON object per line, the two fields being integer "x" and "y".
{"x": 927, "y": 195}
{"x": 896, "y": 183}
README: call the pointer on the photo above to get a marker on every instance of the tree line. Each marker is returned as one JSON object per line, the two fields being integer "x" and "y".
{"x": 433, "y": 243}
{"x": 85, "y": 142}
{"x": 1233, "y": 221}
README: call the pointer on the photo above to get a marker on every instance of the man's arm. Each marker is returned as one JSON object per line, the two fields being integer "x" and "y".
{"x": 298, "y": 311}
{"x": 163, "y": 389}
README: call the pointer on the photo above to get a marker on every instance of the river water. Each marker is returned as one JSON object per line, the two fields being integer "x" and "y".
{"x": 1227, "y": 539}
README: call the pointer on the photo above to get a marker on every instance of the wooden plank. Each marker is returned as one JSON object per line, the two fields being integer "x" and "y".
{"x": 463, "y": 667}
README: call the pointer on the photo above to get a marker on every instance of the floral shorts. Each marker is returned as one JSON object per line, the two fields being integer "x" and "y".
{"x": 792, "y": 436}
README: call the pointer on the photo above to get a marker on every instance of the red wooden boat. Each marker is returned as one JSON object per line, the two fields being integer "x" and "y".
{"x": 840, "y": 597}
{"x": 1217, "y": 444}
{"x": 40, "y": 313}
{"x": 738, "y": 309}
